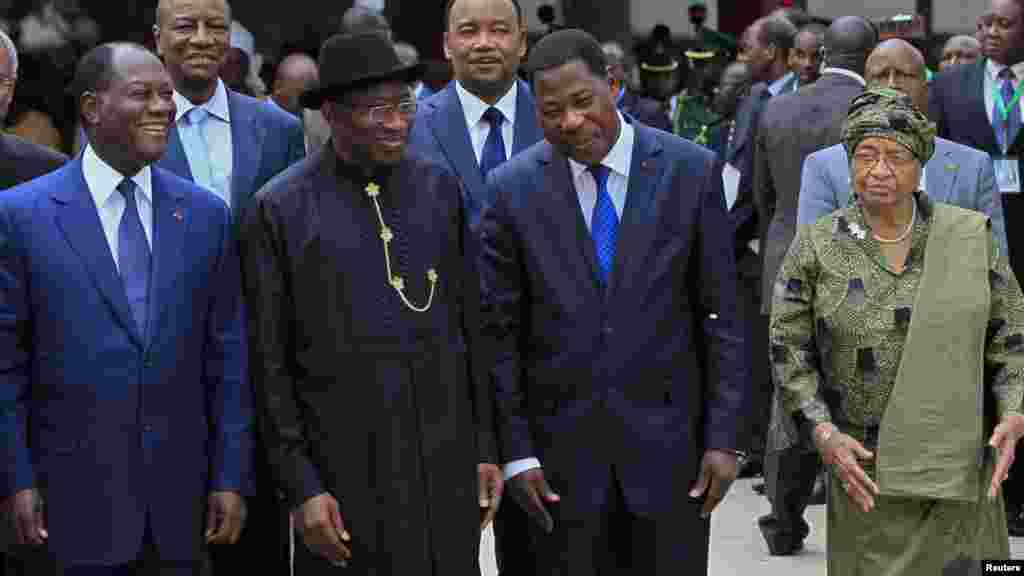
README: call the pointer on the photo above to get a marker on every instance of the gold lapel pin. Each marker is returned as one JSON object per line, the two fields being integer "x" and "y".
{"x": 179, "y": 214}
{"x": 952, "y": 167}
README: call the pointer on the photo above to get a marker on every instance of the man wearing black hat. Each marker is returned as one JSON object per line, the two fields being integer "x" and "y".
{"x": 362, "y": 308}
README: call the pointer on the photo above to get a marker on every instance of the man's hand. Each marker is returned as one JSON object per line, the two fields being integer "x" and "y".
{"x": 530, "y": 490}
{"x": 323, "y": 530}
{"x": 1004, "y": 440}
{"x": 492, "y": 485}
{"x": 29, "y": 520}
{"x": 718, "y": 470}
{"x": 225, "y": 517}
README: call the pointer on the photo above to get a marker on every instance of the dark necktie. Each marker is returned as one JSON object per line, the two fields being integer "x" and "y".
{"x": 493, "y": 154}
{"x": 133, "y": 255}
{"x": 1006, "y": 128}
{"x": 604, "y": 224}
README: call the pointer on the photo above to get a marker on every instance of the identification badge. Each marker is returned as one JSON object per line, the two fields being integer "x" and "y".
{"x": 1007, "y": 175}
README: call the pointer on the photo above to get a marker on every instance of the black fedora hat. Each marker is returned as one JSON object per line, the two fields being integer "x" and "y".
{"x": 350, "y": 61}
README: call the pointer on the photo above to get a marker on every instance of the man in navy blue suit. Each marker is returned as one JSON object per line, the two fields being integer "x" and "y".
{"x": 485, "y": 116}
{"x": 610, "y": 297}
{"x": 485, "y": 41}
{"x": 125, "y": 408}
{"x": 231, "y": 144}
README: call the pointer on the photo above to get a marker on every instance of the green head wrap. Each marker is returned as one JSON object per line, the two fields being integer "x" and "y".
{"x": 887, "y": 113}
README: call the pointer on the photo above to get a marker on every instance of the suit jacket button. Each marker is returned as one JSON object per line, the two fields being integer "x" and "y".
{"x": 608, "y": 330}
{"x": 147, "y": 429}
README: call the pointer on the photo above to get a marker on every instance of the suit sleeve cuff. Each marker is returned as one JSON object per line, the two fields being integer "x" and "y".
{"x": 516, "y": 467}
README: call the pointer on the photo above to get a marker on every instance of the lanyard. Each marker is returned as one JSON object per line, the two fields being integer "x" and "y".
{"x": 1001, "y": 105}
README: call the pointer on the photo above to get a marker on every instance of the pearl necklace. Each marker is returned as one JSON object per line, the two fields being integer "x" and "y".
{"x": 902, "y": 237}
{"x": 396, "y": 281}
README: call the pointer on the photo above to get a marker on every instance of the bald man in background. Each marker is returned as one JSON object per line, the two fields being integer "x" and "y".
{"x": 960, "y": 50}
{"x": 297, "y": 73}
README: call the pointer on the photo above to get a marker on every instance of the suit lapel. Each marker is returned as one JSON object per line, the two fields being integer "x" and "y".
{"x": 744, "y": 119}
{"x": 170, "y": 221}
{"x": 940, "y": 178}
{"x": 527, "y": 133}
{"x": 574, "y": 239}
{"x": 246, "y": 150}
{"x": 449, "y": 127}
{"x": 636, "y": 231}
{"x": 174, "y": 159}
{"x": 974, "y": 112}
{"x": 78, "y": 219}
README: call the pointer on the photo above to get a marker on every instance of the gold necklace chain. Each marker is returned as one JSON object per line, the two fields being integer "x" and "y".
{"x": 396, "y": 281}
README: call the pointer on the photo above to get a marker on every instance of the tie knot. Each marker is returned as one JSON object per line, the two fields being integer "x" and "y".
{"x": 1007, "y": 74}
{"x": 197, "y": 115}
{"x": 600, "y": 174}
{"x": 127, "y": 189}
{"x": 493, "y": 116}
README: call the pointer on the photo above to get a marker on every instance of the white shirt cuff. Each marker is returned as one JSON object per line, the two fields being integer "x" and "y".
{"x": 516, "y": 467}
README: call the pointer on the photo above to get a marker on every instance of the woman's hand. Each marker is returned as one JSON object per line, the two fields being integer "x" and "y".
{"x": 1004, "y": 440}
{"x": 841, "y": 452}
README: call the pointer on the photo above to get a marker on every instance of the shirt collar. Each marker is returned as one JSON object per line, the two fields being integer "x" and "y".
{"x": 776, "y": 87}
{"x": 844, "y": 72}
{"x": 217, "y": 105}
{"x": 103, "y": 179}
{"x": 618, "y": 158}
{"x": 993, "y": 69}
{"x": 474, "y": 107}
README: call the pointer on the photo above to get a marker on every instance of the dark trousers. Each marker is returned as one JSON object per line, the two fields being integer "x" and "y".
{"x": 760, "y": 370}
{"x": 512, "y": 548}
{"x": 36, "y": 561}
{"x": 789, "y": 477}
{"x": 1013, "y": 487}
{"x": 615, "y": 542}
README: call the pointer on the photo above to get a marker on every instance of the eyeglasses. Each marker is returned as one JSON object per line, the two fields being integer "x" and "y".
{"x": 867, "y": 161}
{"x": 379, "y": 114}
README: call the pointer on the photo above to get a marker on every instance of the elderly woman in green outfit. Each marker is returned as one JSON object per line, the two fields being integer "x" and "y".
{"x": 897, "y": 339}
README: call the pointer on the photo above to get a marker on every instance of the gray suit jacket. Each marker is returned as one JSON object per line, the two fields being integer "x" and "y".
{"x": 956, "y": 174}
{"x": 793, "y": 126}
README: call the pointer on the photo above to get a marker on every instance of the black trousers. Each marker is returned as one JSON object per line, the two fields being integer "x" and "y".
{"x": 789, "y": 477}
{"x": 512, "y": 543}
{"x": 616, "y": 542}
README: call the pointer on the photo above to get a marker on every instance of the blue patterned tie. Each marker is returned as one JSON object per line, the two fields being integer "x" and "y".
{"x": 133, "y": 255}
{"x": 604, "y": 223}
{"x": 1006, "y": 129}
{"x": 493, "y": 154}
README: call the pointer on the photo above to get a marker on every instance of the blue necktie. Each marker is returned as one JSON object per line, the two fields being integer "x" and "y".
{"x": 1006, "y": 129}
{"x": 493, "y": 154}
{"x": 604, "y": 224}
{"x": 133, "y": 255}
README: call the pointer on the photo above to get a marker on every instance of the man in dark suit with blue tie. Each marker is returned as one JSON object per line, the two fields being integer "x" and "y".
{"x": 126, "y": 411}
{"x": 485, "y": 41}
{"x": 231, "y": 144}
{"x": 610, "y": 298}
{"x": 485, "y": 116}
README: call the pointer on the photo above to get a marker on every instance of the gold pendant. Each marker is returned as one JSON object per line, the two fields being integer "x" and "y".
{"x": 396, "y": 281}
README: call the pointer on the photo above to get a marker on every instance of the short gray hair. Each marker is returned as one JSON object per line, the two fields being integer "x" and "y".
{"x": 614, "y": 53}
{"x": 12, "y": 51}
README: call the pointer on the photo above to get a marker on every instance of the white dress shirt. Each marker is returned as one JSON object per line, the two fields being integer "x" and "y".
{"x": 218, "y": 139}
{"x": 993, "y": 83}
{"x": 102, "y": 180}
{"x": 479, "y": 129}
{"x": 618, "y": 161}
{"x": 775, "y": 88}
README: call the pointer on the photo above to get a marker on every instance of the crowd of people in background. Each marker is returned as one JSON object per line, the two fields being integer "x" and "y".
{"x": 342, "y": 311}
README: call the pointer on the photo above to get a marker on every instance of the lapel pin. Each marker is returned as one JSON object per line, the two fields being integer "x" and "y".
{"x": 179, "y": 214}
{"x": 952, "y": 167}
